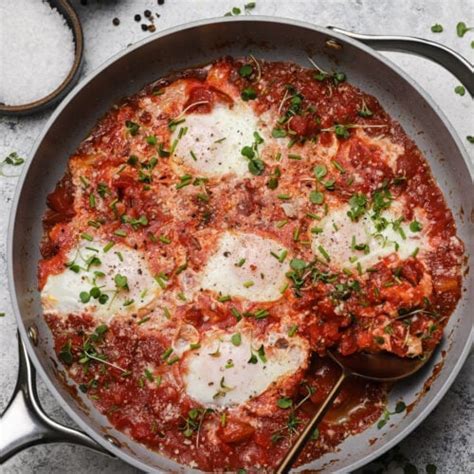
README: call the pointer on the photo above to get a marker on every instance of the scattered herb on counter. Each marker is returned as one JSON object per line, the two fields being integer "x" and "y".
{"x": 236, "y": 11}
{"x": 462, "y": 29}
{"x": 460, "y": 90}
{"x": 12, "y": 160}
{"x": 437, "y": 28}
{"x": 470, "y": 138}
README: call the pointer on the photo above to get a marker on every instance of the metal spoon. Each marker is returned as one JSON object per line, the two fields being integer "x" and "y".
{"x": 382, "y": 367}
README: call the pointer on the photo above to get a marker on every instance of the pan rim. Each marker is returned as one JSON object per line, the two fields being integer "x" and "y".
{"x": 76, "y": 91}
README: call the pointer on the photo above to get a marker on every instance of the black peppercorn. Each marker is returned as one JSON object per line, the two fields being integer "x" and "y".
{"x": 144, "y": 27}
{"x": 116, "y": 21}
{"x": 137, "y": 17}
{"x": 147, "y": 13}
{"x": 161, "y": 2}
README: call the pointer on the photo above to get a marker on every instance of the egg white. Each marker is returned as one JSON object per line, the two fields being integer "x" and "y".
{"x": 338, "y": 231}
{"x": 60, "y": 294}
{"x": 213, "y": 141}
{"x": 244, "y": 265}
{"x": 220, "y": 374}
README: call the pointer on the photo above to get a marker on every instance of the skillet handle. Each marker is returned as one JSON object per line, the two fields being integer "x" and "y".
{"x": 446, "y": 57}
{"x": 24, "y": 423}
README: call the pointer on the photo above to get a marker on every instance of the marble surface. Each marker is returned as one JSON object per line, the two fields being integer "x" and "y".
{"x": 445, "y": 438}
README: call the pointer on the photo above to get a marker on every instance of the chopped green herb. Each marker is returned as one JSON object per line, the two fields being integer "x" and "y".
{"x": 236, "y": 313}
{"x": 253, "y": 359}
{"x": 132, "y": 160}
{"x": 338, "y": 77}
{"x": 121, "y": 282}
{"x": 341, "y": 131}
{"x": 415, "y": 226}
{"x": 261, "y": 354}
{"x": 108, "y": 246}
{"x": 87, "y": 236}
{"x": 236, "y": 339}
{"x": 462, "y": 29}
{"x": 163, "y": 152}
{"x": 279, "y": 133}
{"x": 320, "y": 172}
{"x": 358, "y": 203}
{"x": 246, "y": 70}
{"x": 167, "y": 353}
{"x": 316, "y": 197}
{"x": 284, "y": 403}
{"x": 292, "y": 330}
{"x": 281, "y": 257}
{"x": 261, "y": 314}
{"x": 66, "y": 353}
{"x": 248, "y": 94}
{"x": 296, "y": 234}
{"x": 460, "y": 90}
{"x": 338, "y": 166}
{"x": 84, "y": 296}
{"x": 13, "y": 159}
{"x": 132, "y": 127}
{"x": 324, "y": 253}
{"x": 256, "y": 166}
{"x": 437, "y": 28}
{"x": 151, "y": 140}
{"x": 164, "y": 240}
{"x": 400, "y": 407}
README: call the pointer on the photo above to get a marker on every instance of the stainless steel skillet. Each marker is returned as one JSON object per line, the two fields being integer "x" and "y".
{"x": 189, "y": 45}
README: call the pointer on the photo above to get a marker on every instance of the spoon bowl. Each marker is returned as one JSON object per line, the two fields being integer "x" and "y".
{"x": 381, "y": 367}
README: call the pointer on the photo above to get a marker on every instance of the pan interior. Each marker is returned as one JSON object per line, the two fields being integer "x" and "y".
{"x": 199, "y": 44}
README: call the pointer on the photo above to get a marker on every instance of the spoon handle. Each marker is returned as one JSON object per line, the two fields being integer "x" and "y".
{"x": 303, "y": 438}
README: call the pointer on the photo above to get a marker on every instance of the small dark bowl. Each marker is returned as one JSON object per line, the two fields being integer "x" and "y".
{"x": 72, "y": 20}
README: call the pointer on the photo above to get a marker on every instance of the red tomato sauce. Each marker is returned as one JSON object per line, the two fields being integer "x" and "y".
{"x": 124, "y": 174}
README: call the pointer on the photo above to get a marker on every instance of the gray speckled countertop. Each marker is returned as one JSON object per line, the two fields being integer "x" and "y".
{"x": 446, "y": 437}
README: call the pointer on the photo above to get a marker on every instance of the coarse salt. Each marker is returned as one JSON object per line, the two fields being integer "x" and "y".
{"x": 36, "y": 50}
